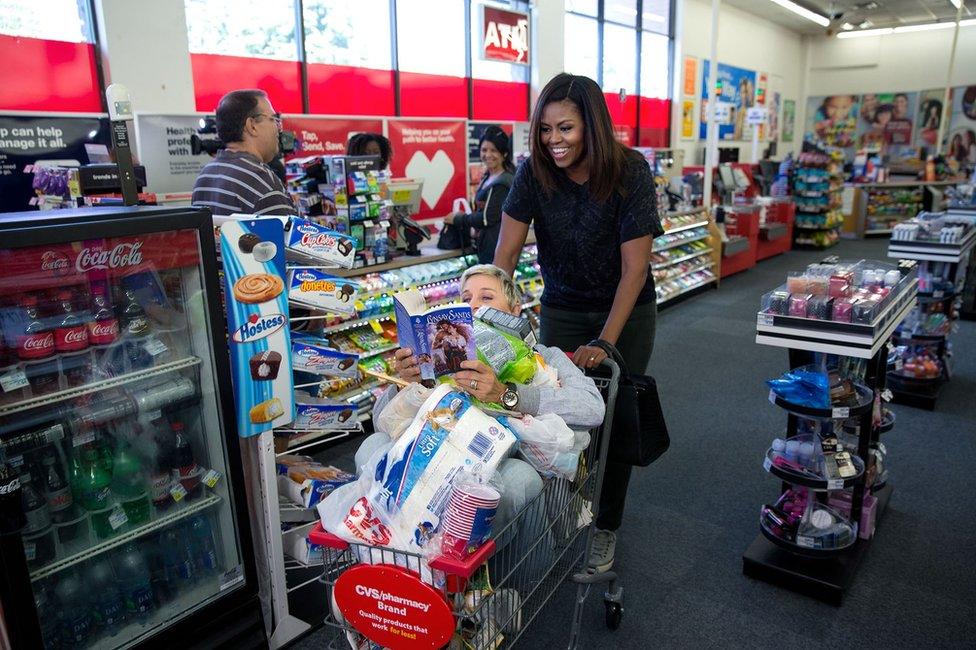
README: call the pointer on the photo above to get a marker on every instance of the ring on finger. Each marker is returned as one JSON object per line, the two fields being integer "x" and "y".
{"x": 474, "y": 384}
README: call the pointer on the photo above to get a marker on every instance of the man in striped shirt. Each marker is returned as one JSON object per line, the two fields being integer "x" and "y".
{"x": 238, "y": 179}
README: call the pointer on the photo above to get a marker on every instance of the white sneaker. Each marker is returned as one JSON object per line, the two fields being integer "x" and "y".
{"x": 601, "y": 553}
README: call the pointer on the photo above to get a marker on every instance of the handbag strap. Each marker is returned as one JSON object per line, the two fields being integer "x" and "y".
{"x": 613, "y": 353}
{"x": 484, "y": 210}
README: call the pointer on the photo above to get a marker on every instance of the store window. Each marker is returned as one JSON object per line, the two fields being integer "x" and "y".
{"x": 61, "y": 20}
{"x": 584, "y": 7}
{"x": 655, "y": 65}
{"x": 348, "y": 33}
{"x": 656, "y": 16}
{"x": 581, "y": 40}
{"x": 247, "y": 28}
{"x": 430, "y": 37}
{"x": 623, "y": 12}
{"x": 619, "y": 59}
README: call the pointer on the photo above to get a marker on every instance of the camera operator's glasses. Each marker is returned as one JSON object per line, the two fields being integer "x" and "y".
{"x": 275, "y": 118}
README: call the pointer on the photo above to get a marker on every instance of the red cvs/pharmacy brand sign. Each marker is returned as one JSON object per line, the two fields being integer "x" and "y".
{"x": 393, "y": 607}
{"x": 505, "y": 36}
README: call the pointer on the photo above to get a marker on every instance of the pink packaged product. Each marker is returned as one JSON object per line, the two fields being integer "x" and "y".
{"x": 798, "y": 304}
{"x": 842, "y": 310}
{"x": 840, "y": 285}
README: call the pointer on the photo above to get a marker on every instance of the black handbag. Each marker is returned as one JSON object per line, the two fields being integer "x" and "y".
{"x": 639, "y": 434}
{"x": 452, "y": 238}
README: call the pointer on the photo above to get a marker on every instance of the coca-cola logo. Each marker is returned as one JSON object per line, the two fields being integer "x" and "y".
{"x": 54, "y": 261}
{"x": 38, "y": 342}
{"x": 125, "y": 254}
{"x": 104, "y": 329}
{"x": 10, "y": 487}
{"x": 75, "y": 335}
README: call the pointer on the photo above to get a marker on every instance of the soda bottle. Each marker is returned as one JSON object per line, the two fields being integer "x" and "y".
{"x": 75, "y": 615}
{"x": 47, "y": 615}
{"x": 134, "y": 581}
{"x": 163, "y": 590}
{"x": 176, "y": 558}
{"x": 204, "y": 549}
{"x": 35, "y": 507}
{"x": 108, "y": 606}
{"x": 37, "y": 338}
{"x": 184, "y": 466}
{"x": 103, "y": 328}
{"x": 12, "y": 517}
{"x": 161, "y": 480}
{"x": 129, "y": 483}
{"x": 134, "y": 320}
{"x": 89, "y": 480}
{"x": 72, "y": 332}
{"x": 59, "y": 499}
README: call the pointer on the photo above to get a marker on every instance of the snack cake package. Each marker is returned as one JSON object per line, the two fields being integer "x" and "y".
{"x": 310, "y": 241}
{"x": 325, "y": 415}
{"x": 413, "y": 481}
{"x": 313, "y": 355}
{"x": 253, "y": 253}
{"x": 319, "y": 290}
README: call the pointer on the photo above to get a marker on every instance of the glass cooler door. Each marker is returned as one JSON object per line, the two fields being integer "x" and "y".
{"x": 110, "y": 416}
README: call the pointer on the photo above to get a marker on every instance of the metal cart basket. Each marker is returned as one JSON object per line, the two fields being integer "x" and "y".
{"x": 493, "y": 596}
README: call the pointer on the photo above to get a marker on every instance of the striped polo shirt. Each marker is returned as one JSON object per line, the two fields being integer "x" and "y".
{"x": 237, "y": 182}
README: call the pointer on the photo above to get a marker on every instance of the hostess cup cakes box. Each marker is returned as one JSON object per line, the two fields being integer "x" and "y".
{"x": 313, "y": 355}
{"x": 312, "y": 414}
{"x": 315, "y": 289}
{"x": 305, "y": 240}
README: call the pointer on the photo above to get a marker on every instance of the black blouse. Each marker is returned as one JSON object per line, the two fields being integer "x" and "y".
{"x": 579, "y": 237}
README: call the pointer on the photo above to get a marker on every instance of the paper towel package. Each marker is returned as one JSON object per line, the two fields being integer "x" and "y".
{"x": 413, "y": 481}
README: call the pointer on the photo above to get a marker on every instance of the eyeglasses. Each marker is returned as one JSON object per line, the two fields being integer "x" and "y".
{"x": 275, "y": 118}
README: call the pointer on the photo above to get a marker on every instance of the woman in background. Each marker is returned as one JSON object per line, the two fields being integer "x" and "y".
{"x": 486, "y": 220}
{"x": 370, "y": 144}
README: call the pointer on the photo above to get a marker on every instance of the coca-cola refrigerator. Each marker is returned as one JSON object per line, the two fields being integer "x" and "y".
{"x": 123, "y": 517}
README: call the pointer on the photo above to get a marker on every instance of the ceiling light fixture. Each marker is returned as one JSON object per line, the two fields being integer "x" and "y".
{"x": 823, "y": 21}
{"x": 956, "y": 3}
{"x": 867, "y": 32}
{"x": 968, "y": 23}
{"x": 924, "y": 27}
{"x": 847, "y": 27}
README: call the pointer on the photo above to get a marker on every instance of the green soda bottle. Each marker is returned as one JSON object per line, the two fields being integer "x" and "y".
{"x": 129, "y": 483}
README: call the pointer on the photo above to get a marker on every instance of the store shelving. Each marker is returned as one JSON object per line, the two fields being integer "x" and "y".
{"x": 817, "y": 183}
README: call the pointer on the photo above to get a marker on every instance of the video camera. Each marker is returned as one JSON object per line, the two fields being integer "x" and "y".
{"x": 206, "y": 140}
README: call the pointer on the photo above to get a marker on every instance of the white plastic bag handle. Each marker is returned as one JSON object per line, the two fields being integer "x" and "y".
{"x": 462, "y": 205}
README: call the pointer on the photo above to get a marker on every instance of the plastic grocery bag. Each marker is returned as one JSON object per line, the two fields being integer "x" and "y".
{"x": 399, "y": 412}
{"x": 508, "y": 356}
{"x": 549, "y": 445}
{"x": 412, "y": 482}
{"x": 545, "y": 375}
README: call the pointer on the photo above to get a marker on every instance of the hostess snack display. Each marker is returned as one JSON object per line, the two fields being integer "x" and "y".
{"x": 264, "y": 365}
{"x": 312, "y": 413}
{"x": 849, "y": 292}
{"x": 313, "y": 355}
{"x": 314, "y": 243}
{"x": 320, "y": 290}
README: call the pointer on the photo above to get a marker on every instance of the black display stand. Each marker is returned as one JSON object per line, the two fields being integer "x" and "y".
{"x": 828, "y": 577}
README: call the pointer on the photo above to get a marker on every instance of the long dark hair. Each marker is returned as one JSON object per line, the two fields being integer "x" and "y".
{"x": 501, "y": 141}
{"x": 605, "y": 158}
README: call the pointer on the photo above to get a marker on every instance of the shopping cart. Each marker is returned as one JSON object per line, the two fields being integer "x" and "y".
{"x": 492, "y": 598}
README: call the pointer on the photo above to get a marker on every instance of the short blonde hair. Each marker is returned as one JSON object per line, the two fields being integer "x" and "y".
{"x": 508, "y": 285}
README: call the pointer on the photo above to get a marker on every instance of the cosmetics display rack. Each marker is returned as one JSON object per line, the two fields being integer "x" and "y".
{"x": 942, "y": 245}
{"x": 818, "y": 180}
{"x": 846, "y": 510}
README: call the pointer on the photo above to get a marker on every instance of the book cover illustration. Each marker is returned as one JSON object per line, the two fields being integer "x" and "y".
{"x": 440, "y": 337}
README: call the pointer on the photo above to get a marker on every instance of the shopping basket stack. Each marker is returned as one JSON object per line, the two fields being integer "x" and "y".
{"x": 384, "y": 598}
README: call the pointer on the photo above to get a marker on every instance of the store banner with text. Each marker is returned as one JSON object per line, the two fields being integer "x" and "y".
{"x": 735, "y": 87}
{"x": 691, "y": 76}
{"x": 435, "y": 152}
{"x": 327, "y": 136}
{"x": 163, "y": 146}
{"x": 29, "y": 139}
{"x": 505, "y": 36}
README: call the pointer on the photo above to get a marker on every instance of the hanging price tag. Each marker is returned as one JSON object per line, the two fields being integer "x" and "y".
{"x": 767, "y": 464}
{"x": 118, "y": 518}
{"x": 16, "y": 461}
{"x": 210, "y": 478}
{"x": 938, "y": 294}
{"x": 30, "y": 550}
{"x": 887, "y": 395}
{"x": 899, "y": 363}
{"x": 835, "y": 484}
{"x": 765, "y": 319}
{"x": 804, "y": 541}
{"x": 841, "y": 412}
{"x": 13, "y": 380}
{"x": 772, "y": 396}
{"x": 368, "y": 223}
{"x": 385, "y": 223}
{"x": 83, "y": 438}
{"x": 155, "y": 347}
{"x": 178, "y": 492}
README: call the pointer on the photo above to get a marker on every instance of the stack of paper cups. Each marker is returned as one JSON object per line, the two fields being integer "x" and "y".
{"x": 467, "y": 519}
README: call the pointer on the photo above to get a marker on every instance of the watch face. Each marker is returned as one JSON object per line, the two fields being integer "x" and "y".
{"x": 510, "y": 398}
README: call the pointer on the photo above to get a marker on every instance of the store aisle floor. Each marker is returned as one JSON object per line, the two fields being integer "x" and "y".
{"x": 692, "y": 514}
